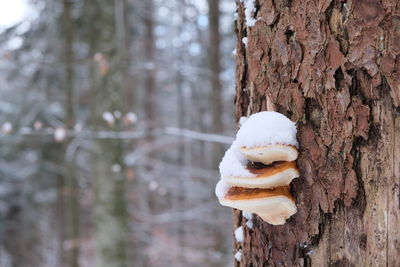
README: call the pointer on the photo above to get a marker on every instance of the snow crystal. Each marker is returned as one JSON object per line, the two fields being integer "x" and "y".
{"x": 130, "y": 118}
{"x": 249, "y": 217}
{"x": 6, "y": 128}
{"x": 14, "y": 43}
{"x": 310, "y": 252}
{"x": 249, "y": 224}
{"x": 238, "y": 255}
{"x": 249, "y": 9}
{"x": 221, "y": 189}
{"x": 233, "y": 163}
{"x": 59, "y": 134}
{"x": 116, "y": 168}
{"x": 78, "y": 127}
{"x": 239, "y": 235}
{"x": 245, "y": 41}
{"x": 37, "y": 125}
{"x": 108, "y": 117}
{"x": 153, "y": 185}
{"x": 265, "y": 128}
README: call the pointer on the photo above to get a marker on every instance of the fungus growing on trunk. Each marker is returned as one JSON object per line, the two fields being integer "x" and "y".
{"x": 258, "y": 167}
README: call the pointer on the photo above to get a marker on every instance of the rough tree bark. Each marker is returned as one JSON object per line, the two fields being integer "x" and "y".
{"x": 334, "y": 68}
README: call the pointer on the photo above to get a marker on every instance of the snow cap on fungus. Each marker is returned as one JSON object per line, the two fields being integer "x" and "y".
{"x": 267, "y": 127}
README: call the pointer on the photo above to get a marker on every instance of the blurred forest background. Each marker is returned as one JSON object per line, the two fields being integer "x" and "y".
{"x": 114, "y": 115}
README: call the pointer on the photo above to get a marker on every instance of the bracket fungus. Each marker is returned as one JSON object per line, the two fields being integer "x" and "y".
{"x": 270, "y": 153}
{"x": 257, "y": 169}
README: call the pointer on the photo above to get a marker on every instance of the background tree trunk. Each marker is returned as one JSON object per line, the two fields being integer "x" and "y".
{"x": 334, "y": 68}
{"x": 150, "y": 79}
{"x": 215, "y": 72}
{"x": 71, "y": 190}
{"x": 111, "y": 220}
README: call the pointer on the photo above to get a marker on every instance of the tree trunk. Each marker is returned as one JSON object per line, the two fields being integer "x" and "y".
{"x": 334, "y": 68}
{"x": 71, "y": 190}
{"x": 112, "y": 233}
{"x": 150, "y": 79}
{"x": 124, "y": 57}
{"x": 215, "y": 72}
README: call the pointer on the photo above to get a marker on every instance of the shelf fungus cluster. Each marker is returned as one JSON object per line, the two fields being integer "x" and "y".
{"x": 257, "y": 169}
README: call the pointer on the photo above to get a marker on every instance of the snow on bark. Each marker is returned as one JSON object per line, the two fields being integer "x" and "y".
{"x": 239, "y": 235}
{"x": 249, "y": 9}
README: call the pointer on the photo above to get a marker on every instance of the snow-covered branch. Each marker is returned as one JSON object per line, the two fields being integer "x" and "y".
{"x": 61, "y": 133}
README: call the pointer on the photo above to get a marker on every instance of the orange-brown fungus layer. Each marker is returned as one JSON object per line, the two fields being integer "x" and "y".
{"x": 269, "y": 170}
{"x": 259, "y": 147}
{"x": 240, "y": 193}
